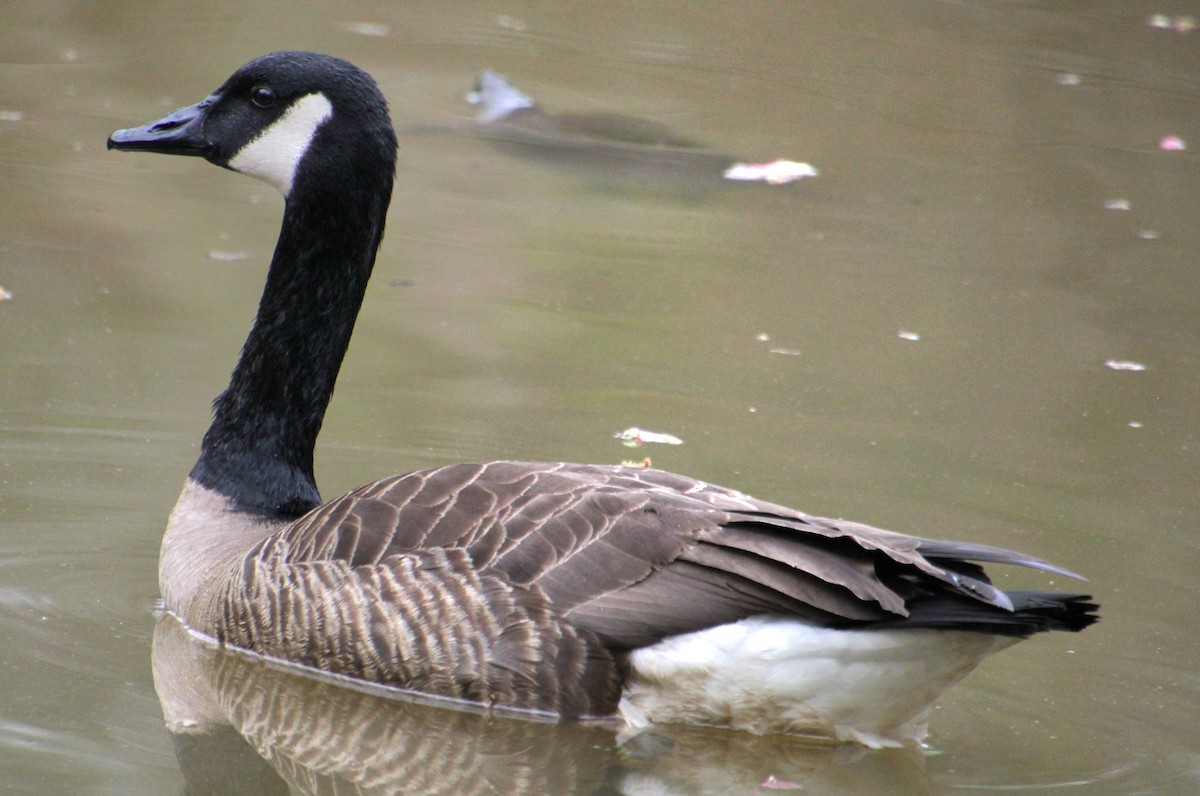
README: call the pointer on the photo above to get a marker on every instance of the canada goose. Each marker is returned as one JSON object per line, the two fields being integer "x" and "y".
{"x": 608, "y": 142}
{"x": 578, "y": 590}
{"x": 500, "y": 101}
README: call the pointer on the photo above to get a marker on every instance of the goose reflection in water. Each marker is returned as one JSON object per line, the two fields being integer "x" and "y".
{"x": 241, "y": 725}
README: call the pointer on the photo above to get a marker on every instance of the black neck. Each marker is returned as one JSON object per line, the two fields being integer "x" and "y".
{"x": 259, "y": 449}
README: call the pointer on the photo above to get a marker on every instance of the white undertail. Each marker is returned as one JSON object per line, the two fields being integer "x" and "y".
{"x": 771, "y": 674}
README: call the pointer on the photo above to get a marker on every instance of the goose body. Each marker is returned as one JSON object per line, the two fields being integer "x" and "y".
{"x": 577, "y": 590}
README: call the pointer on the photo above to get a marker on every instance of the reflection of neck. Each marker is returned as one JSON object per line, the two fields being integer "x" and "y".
{"x": 213, "y": 757}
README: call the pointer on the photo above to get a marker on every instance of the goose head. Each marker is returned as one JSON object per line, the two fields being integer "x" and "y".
{"x": 282, "y": 118}
{"x": 317, "y": 128}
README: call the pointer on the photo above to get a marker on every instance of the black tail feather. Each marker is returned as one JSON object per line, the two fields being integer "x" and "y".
{"x": 1033, "y": 612}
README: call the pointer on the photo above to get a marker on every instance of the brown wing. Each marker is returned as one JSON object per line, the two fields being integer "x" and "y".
{"x": 639, "y": 554}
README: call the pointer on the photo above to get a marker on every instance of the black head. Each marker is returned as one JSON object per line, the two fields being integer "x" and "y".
{"x": 281, "y": 118}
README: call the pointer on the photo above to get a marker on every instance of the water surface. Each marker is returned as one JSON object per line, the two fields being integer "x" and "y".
{"x": 526, "y": 308}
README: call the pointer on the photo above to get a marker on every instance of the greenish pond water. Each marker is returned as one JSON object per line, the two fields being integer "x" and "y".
{"x": 932, "y": 336}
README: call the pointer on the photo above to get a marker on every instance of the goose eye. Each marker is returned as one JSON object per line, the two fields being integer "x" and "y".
{"x": 262, "y": 96}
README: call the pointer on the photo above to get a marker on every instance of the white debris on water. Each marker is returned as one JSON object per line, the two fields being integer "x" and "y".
{"x": 1179, "y": 24}
{"x": 635, "y": 437}
{"x": 366, "y": 29}
{"x": 777, "y": 172}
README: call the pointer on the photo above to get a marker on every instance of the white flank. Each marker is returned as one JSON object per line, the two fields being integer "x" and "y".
{"x": 274, "y": 156}
{"x": 773, "y": 674}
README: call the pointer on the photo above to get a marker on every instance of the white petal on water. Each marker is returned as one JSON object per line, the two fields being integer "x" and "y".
{"x": 774, "y": 783}
{"x": 1180, "y": 24}
{"x": 634, "y": 437}
{"x": 904, "y": 335}
{"x": 226, "y": 256}
{"x": 511, "y": 23}
{"x": 366, "y": 28}
{"x": 777, "y": 172}
{"x": 1123, "y": 364}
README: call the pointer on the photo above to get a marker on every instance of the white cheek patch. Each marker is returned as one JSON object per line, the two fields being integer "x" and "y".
{"x": 276, "y": 153}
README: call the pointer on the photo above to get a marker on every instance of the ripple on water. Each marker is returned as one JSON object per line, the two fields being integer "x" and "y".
{"x": 69, "y": 609}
